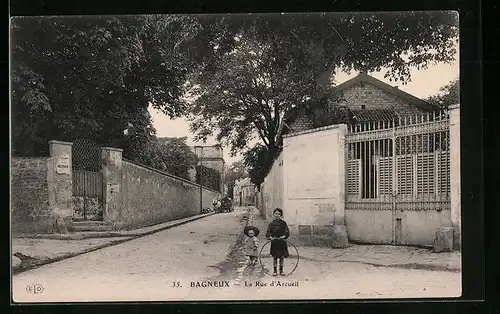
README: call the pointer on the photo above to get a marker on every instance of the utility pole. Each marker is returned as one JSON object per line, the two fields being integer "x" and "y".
{"x": 223, "y": 179}
{"x": 201, "y": 177}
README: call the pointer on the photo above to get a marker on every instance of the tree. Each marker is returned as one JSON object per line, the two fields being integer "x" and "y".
{"x": 92, "y": 77}
{"x": 279, "y": 63}
{"x": 235, "y": 171}
{"x": 70, "y": 79}
{"x": 259, "y": 161}
{"x": 208, "y": 177}
{"x": 172, "y": 155}
{"x": 449, "y": 95}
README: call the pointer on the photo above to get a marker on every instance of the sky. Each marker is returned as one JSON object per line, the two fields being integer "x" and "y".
{"x": 423, "y": 83}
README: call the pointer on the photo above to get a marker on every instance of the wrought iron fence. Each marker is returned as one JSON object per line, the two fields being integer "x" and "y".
{"x": 406, "y": 160}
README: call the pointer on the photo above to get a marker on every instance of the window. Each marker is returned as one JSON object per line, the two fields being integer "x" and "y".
{"x": 363, "y": 106}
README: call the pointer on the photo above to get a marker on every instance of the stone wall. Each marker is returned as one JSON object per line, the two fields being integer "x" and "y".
{"x": 357, "y": 96}
{"x": 271, "y": 190}
{"x": 412, "y": 227}
{"x": 150, "y": 197}
{"x": 456, "y": 194}
{"x": 314, "y": 185}
{"x": 133, "y": 195}
{"x": 29, "y": 195}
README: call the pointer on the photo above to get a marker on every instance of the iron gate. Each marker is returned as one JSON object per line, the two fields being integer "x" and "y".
{"x": 87, "y": 180}
{"x": 397, "y": 167}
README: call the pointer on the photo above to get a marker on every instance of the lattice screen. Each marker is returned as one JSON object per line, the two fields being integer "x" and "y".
{"x": 405, "y": 175}
{"x": 353, "y": 180}
{"x": 426, "y": 174}
{"x": 443, "y": 172}
{"x": 385, "y": 176}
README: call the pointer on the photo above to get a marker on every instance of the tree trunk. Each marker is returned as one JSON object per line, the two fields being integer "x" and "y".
{"x": 323, "y": 78}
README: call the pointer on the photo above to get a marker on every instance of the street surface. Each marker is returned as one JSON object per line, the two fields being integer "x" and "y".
{"x": 203, "y": 260}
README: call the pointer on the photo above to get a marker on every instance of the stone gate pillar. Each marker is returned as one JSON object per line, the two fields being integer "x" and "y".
{"x": 60, "y": 186}
{"x": 111, "y": 159}
{"x": 455, "y": 175}
{"x": 448, "y": 237}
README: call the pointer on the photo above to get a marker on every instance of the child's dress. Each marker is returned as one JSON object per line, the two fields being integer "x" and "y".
{"x": 251, "y": 246}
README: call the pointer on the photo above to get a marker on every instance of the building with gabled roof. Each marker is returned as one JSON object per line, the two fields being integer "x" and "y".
{"x": 361, "y": 99}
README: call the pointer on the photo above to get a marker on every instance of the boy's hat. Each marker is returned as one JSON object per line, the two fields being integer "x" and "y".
{"x": 248, "y": 228}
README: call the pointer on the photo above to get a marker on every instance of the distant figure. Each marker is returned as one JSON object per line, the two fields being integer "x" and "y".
{"x": 277, "y": 232}
{"x": 215, "y": 206}
{"x": 251, "y": 244}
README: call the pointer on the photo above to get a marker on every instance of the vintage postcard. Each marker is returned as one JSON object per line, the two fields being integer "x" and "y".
{"x": 217, "y": 157}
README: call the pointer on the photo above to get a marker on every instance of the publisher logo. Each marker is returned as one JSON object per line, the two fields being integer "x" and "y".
{"x": 35, "y": 288}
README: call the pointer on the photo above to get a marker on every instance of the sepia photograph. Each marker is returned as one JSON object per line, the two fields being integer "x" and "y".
{"x": 235, "y": 157}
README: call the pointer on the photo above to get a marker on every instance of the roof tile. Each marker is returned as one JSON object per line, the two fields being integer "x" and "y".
{"x": 371, "y": 115}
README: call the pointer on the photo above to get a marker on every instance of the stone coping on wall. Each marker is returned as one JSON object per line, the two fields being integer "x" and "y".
{"x": 112, "y": 149}
{"x": 323, "y": 128}
{"x": 60, "y": 142}
{"x": 212, "y": 158}
{"x": 169, "y": 175}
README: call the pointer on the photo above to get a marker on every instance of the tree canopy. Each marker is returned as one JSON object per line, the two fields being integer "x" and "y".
{"x": 448, "y": 95}
{"x": 208, "y": 177}
{"x": 281, "y": 62}
{"x": 172, "y": 155}
{"x": 93, "y": 77}
{"x": 235, "y": 76}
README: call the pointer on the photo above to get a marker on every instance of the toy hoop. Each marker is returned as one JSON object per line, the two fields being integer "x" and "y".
{"x": 288, "y": 243}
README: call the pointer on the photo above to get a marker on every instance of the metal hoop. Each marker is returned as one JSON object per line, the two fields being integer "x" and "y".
{"x": 288, "y": 242}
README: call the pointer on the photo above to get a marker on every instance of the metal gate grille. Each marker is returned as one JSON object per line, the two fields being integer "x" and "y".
{"x": 87, "y": 180}
{"x": 399, "y": 165}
